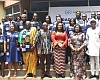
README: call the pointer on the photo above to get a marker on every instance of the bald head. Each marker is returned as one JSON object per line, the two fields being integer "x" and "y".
{"x": 10, "y": 17}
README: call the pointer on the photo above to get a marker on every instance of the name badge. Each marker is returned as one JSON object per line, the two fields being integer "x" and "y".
{"x": 23, "y": 49}
{"x": 28, "y": 33}
{"x": 2, "y": 54}
{"x": 7, "y": 40}
{"x": 24, "y": 36}
{"x": 1, "y": 40}
{"x": 16, "y": 35}
{"x": 7, "y": 53}
{"x": 7, "y": 28}
{"x": 8, "y": 33}
{"x": 21, "y": 27}
{"x": 17, "y": 49}
{"x": 27, "y": 46}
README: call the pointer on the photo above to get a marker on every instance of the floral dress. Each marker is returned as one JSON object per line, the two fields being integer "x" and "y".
{"x": 78, "y": 61}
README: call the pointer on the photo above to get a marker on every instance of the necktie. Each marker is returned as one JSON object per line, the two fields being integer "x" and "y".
{"x": 10, "y": 22}
{"x": 84, "y": 23}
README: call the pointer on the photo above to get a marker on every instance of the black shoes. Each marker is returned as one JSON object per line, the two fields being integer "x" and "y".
{"x": 60, "y": 75}
{"x": 49, "y": 76}
{"x": 3, "y": 75}
{"x": 92, "y": 76}
{"x": 42, "y": 76}
{"x": 97, "y": 76}
{"x": 57, "y": 76}
{"x": 63, "y": 76}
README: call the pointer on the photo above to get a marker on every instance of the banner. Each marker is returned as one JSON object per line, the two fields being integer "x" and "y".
{"x": 69, "y": 12}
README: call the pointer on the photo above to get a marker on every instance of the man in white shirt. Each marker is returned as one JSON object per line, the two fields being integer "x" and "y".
{"x": 93, "y": 39}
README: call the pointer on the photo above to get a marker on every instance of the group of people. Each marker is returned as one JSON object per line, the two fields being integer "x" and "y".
{"x": 34, "y": 41}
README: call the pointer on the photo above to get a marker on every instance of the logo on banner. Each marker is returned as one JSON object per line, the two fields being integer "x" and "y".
{"x": 67, "y": 12}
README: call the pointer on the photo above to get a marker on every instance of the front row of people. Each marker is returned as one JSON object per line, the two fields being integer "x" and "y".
{"x": 44, "y": 43}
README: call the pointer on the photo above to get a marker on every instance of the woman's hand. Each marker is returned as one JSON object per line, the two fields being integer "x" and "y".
{"x": 5, "y": 50}
{"x": 39, "y": 53}
{"x": 53, "y": 45}
{"x": 73, "y": 49}
{"x": 60, "y": 45}
{"x": 78, "y": 49}
{"x": 20, "y": 46}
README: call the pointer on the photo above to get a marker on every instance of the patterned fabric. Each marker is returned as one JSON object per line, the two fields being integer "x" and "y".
{"x": 59, "y": 53}
{"x": 30, "y": 61}
{"x": 59, "y": 60}
{"x": 6, "y": 26}
{"x": 25, "y": 40}
{"x": 29, "y": 58}
{"x": 21, "y": 26}
{"x": 78, "y": 61}
{"x": 26, "y": 47}
{"x": 1, "y": 45}
{"x": 38, "y": 25}
{"x": 44, "y": 41}
{"x": 69, "y": 30}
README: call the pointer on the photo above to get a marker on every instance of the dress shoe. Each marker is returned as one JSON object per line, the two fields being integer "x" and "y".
{"x": 57, "y": 76}
{"x": 97, "y": 76}
{"x": 63, "y": 76}
{"x": 42, "y": 76}
{"x": 92, "y": 76}
{"x": 3, "y": 75}
{"x": 49, "y": 76}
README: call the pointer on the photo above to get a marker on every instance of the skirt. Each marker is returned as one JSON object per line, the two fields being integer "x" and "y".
{"x": 59, "y": 60}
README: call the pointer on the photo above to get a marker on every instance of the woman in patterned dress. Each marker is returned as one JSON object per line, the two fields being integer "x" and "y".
{"x": 59, "y": 39}
{"x": 77, "y": 44}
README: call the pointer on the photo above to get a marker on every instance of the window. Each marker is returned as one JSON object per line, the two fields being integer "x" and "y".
{"x": 16, "y": 8}
{"x": 94, "y": 3}
{"x": 68, "y": 3}
{"x": 9, "y": 11}
{"x": 39, "y": 6}
{"x": 15, "y": 16}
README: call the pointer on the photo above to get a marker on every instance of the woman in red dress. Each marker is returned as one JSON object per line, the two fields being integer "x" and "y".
{"x": 59, "y": 39}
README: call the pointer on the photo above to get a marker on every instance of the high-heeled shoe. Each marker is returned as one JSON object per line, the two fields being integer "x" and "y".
{"x": 63, "y": 76}
{"x": 3, "y": 75}
{"x": 15, "y": 74}
{"x": 57, "y": 76}
{"x": 9, "y": 75}
{"x": 25, "y": 76}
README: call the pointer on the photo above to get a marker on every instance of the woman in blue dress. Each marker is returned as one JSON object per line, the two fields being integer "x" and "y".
{"x": 11, "y": 49}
